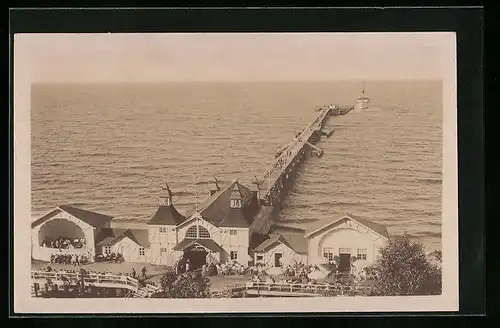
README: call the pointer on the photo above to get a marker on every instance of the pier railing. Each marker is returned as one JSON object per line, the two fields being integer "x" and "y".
{"x": 266, "y": 288}
{"x": 289, "y": 153}
{"x": 98, "y": 279}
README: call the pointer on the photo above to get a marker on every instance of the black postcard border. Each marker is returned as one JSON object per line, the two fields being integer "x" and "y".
{"x": 468, "y": 23}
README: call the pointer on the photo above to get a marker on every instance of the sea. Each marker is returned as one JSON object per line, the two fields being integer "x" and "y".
{"x": 111, "y": 147}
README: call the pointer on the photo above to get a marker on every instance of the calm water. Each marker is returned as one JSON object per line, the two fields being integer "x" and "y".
{"x": 110, "y": 148}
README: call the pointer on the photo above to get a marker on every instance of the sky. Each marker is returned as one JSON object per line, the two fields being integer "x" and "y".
{"x": 88, "y": 58}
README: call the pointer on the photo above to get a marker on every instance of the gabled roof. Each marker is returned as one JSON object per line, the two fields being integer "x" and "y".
{"x": 234, "y": 218}
{"x": 286, "y": 229}
{"x": 375, "y": 227}
{"x": 295, "y": 241}
{"x": 110, "y": 236}
{"x": 267, "y": 243}
{"x": 216, "y": 209}
{"x": 167, "y": 215}
{"x": 45, "y": 217}
{"x": 94, "y": 219}
{"x": 207, "y": 243}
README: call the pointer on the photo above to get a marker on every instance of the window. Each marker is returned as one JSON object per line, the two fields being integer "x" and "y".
{"x": 141, "y": 251}
{"x": 234, "y": 255}
{"x": 236, "y": 203}
{"x": 233, "y": 232}
{"x": 328, "y": 253}
{"x": 163, "y": 230}
{"x": 259, "y": 258}
{"x": 344, "y": 250}
{"x": 163, "y": 250}
{"x": 195, "y": 232}
{"x": 107, "y": 250}
{"x": 361, "y": 254}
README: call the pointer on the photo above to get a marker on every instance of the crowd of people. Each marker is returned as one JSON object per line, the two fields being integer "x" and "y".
{"x": 63, "y": 242}
{"x": 231, "y": 268}
{"x": 109, "y": 258}
{"x": 73, "y": 259}
{"x": 298, "y": 273}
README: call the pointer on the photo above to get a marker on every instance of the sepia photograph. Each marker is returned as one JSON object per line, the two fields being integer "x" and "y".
{"x": 284, "y": 171}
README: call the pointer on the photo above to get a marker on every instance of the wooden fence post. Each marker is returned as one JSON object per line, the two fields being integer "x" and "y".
{"x": 37, "y": 288}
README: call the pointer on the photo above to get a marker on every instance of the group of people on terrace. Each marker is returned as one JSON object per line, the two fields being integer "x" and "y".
{"x": 73, "y": 259}
{"x": 63, "y": 242}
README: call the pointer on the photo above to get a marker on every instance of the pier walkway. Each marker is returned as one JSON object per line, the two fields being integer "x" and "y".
{"x": 290, "y": 157}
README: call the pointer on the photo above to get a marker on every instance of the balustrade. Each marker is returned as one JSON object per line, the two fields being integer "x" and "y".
{"x": 89, "y": 278}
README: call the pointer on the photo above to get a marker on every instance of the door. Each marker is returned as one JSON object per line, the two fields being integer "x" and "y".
{"x": 277, "y": 258}
{"x": 344, "y": 262}
{"x": 197, "y": 257}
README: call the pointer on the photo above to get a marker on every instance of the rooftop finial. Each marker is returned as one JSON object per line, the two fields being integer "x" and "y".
{"x": 166, "y": 196}
{"x": 216, "y": 182}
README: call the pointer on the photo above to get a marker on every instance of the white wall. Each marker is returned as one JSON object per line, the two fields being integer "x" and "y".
{"x": 222, "y": 236}
{"x": 159, "y": 240}
{"x": 40, "y": 253}
{"x": 238, "y": 243}
{"x": 353, "y": 237}
{"x": 289, "y": 255}
{"x": 129, "y": 249}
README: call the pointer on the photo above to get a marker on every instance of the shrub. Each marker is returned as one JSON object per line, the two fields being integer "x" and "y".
{"x": 403, "y": 269}
{"x": 186, "y": 285}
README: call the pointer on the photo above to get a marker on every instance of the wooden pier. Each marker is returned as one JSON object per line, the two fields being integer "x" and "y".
{"x": 274, "y": 184}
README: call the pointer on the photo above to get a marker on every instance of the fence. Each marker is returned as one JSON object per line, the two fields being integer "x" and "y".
{"x": 293, "y": 288}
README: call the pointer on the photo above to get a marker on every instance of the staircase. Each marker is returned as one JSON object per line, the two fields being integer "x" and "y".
{"x": 143, "y": 292}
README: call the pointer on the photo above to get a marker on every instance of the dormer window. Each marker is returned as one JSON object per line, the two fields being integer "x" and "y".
{"x": 235, "y": 203}
{"x": 235, "y": 199}
{"x": 165, "y": 201}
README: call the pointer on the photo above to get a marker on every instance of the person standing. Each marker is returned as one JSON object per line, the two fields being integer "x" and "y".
{"x": 134, "y": 274}
{"x": 144, "y": 273}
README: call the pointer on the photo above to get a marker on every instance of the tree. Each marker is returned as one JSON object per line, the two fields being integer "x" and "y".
{"x": 403, "y": 269}
{"x": 186, "y": 285}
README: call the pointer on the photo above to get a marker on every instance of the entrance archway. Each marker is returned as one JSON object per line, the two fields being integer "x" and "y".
{"x": 59, "y": 230}
{"x": 197, "y": 257}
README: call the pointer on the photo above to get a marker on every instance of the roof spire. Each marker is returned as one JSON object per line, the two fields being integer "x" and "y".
{"x": 215, "y": 186}
{"x": 165, "y": 198}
